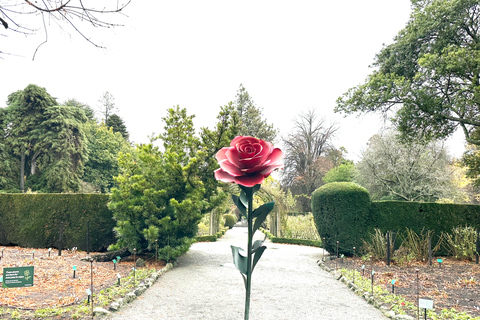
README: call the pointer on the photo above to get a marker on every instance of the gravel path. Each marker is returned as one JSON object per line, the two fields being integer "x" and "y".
{"x": 287, "y": 284}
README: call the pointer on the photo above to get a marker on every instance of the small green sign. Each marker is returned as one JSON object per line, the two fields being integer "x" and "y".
{"x": 18, "y": 277}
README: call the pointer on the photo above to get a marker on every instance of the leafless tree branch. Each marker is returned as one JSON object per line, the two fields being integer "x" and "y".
{"x": 19, "y": 13}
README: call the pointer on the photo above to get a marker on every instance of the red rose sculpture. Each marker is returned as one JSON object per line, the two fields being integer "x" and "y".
{"x": 248, "y": 161}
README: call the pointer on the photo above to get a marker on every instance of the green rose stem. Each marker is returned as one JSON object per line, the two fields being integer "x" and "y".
{"x": 249, "y": 194}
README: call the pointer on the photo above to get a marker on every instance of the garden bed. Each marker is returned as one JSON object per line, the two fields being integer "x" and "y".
{"x": 451, "y": 285}
{"x": 54, "y": 283}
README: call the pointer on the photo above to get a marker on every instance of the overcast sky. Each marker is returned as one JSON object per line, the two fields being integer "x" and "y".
{"x": 291, "y": 56}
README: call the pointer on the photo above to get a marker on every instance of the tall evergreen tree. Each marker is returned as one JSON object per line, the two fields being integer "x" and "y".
{"x": 25, "y": 114}
{"x": 47, "y": 139}
{"x": 9, "y": 165}
{"x": 212, "y": 140}
{"x": 89, "y": 112}
{"x": 251, "y": 121}
{"x": 118, "y": 125}
{"x": 64, "y": 144}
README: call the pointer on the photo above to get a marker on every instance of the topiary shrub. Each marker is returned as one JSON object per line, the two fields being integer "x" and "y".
{"x": 342, "y": 213}
{"x": 230, "y": 220}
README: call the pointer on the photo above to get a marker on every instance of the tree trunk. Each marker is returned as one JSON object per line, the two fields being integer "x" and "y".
{"x": 33, "y": 166}
{"x": 22, "y": 171}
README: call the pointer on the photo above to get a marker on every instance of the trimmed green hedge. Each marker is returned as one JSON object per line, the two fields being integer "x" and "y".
{"x": 398, "y": 215}
{"x": 342, "y": 212}
{"x": 37, "y": 220}
{"x": 213, "y": 237}
{"x": 302, "y": 242}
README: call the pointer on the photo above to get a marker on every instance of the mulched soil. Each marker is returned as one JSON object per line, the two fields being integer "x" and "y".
{"x": 451, "y": 284}
{"x": 54, "y": 285}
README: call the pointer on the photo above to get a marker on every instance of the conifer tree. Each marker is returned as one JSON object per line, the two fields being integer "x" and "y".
{"x": 251, "y": 121}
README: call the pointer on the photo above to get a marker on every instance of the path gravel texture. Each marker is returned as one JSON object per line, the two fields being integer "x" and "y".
{"x": 287, "y": 284}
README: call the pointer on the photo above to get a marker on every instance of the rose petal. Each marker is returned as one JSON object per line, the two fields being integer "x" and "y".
{"x": 230, "y": 168}
{"x": 267, "y": 170}
{"x": 223, "y": 176}
{"x": 260, "y": 157}
{"x": 250, "y": 181}
{"x": 232, "y": 156}
{"x": 276, "y": 156}
{"x": 221, "y": 154}
{"x": 239, "y": 139}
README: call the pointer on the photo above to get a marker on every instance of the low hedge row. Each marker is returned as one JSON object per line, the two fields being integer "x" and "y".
{"x": 56, "y": 220}
{"x": 302, "y": 242}
{"x": 213, "y": 237}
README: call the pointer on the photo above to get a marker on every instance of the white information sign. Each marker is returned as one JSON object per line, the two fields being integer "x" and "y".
{"x": 425, "y": 303}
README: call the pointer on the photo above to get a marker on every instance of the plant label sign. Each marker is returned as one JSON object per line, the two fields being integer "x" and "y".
{"x": 18, "y": 277}
{"x": 425, "y": 304}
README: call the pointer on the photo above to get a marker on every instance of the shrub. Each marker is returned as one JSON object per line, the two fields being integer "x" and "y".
{"x": 415, "y": 245}
{"x": 376, "y": 246}
{"x": 230, "y": 220}
{"x": 461, "y": 243}
{"x": 342, "y": 213}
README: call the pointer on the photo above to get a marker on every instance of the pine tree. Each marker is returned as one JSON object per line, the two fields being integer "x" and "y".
{"x": 251, "y": 122}
{"x": 118, "y": 125}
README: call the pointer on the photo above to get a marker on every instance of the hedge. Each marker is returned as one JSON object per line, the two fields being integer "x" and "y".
{"x": 417, "y": 216}
{"x": 56, "y": 220}
{"x": 398, "y": 215}
{"x": 342, "y": 212}
{"x": 301, "y": 242}
{"x": 212, "y": 238}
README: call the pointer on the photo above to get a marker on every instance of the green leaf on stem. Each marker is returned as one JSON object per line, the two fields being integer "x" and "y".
{"x": 239, "y": 260}
{"x": 257, "y": 244}
{"x": 261, "y": 214}
{"x": 258, "y": 255}
{"x": 239, "y": 204}
{"x": 243, "y": 198}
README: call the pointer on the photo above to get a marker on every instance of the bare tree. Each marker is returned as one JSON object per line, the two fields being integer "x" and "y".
{"x": 106, "y": 106}
{"x": 306, "y": 153}
{"x": 18, "y": 16}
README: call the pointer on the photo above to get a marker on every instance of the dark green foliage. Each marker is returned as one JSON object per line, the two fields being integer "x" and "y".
{"x": 104, "y": 145}
{"x": 342, "y": 212}
{"x": 230, "y": 220}
{"x": 251, "y": 122}
{"x": 44, "y": 141}
{"x": 428, "y": 75}
{"x": 159, "y": 199}
{"x": 37, "y": 220}
{"x": 118, "y": 125}
{"x": 438, "y": 217}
